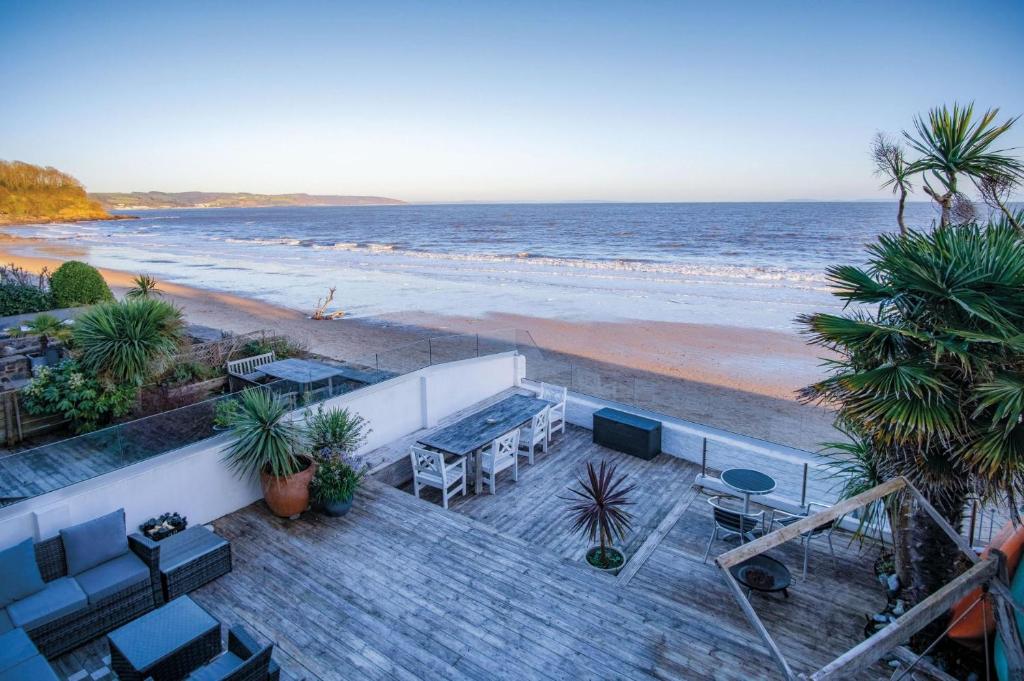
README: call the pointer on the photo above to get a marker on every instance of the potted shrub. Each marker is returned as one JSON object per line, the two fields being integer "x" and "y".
{"x": 337, "y": 430}
{"x": 598, "y": 512}
{"x": 269, "y": 446}
{"x": 224, "y": 413}
{"x": 334, "y": 485}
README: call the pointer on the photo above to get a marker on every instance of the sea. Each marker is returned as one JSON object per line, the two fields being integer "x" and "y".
{"x": 755, "y": 265}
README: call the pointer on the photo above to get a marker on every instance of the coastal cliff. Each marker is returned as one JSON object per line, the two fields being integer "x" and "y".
{"x": 34, "y": 194}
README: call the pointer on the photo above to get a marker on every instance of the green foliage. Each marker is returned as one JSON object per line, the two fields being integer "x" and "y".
{"x": 335, "y": 480}
{"x": 282, "y": 347}
{"x": 45, "y": 325}
{"x": 225, "y": 411}
{"x": 335, "y": 430}
{"x": 145, "y": 286}
{"x": 77, "y": 394}
{"x": 123, "y": 342}
{"x": 183, "y": 373}
{"x": 19, "y": 299}
{"x": 265, "y": 439}
{"x": 22, "y": 292}
{"x": 77, "y": 283}
{"x": 928, "y": 378}
{"x": 29, "y": 193}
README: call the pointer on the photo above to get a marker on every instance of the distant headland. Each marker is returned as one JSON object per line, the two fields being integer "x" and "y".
{"x": 166, "y": 200}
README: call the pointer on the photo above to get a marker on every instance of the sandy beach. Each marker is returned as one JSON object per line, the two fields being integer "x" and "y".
{"x": 738, "y": 379}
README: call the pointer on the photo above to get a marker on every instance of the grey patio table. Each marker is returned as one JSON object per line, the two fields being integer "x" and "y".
{"x": 305, "y": 372}
{"x": 748, "y": 482}
{"x": 167, "y": 643}
{"x": 478, "y": 430}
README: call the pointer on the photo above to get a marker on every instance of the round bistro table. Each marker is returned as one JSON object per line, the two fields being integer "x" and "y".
{"x": 748, "y": 482}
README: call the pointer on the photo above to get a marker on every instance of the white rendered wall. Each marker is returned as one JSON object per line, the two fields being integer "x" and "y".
{"x": 195, "y": 482}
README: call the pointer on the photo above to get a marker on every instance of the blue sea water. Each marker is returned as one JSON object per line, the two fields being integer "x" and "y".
{"x": 747, "y": 264}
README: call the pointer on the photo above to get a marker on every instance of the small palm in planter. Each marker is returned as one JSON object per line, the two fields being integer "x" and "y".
{"x": 271, "y": 447}
{"x": 598, "y": 512}
{"x": 335, "y": 483}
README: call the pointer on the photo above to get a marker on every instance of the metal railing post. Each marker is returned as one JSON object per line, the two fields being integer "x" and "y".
{"x": 478, "y": 345}
{"x": 376, "y": 360}
{"x": 704, "y": 458}
{"x": 803, "y": 489}
{"x": 430, "y": 353}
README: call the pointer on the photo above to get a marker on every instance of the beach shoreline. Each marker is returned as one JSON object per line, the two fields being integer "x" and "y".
{"x": 738, "y": 379}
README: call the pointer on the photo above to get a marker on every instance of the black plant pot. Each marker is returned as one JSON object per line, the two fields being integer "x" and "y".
{"x": 337, "y": 507}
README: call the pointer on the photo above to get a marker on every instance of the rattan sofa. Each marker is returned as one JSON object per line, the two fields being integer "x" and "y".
{"x": 105, "y": 608}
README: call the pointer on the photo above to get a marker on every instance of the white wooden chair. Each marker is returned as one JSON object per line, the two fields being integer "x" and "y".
{"x": 430, "y": 470}
{"x": 534, "y": 434}
{"x": 502, "y": 454}
{"x": 556, "y": 395}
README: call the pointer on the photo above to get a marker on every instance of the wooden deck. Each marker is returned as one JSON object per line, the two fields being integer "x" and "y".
{"x": 495, "y": 589}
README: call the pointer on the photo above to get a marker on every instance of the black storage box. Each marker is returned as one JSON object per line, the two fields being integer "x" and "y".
{"x": 628, "y": 433}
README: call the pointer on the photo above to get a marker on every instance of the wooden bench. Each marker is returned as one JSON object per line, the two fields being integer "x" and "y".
{"x": 246, "y": 370}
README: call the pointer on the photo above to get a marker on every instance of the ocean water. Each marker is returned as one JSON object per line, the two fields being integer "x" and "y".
{"x": 745, "y": 264}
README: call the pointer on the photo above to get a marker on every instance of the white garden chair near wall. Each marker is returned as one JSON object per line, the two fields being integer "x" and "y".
{"x": 501, "y": 455}
{"x": 534, "y": 434}
{"x": 556, "y": 395}
{"x": 430, "y": 470}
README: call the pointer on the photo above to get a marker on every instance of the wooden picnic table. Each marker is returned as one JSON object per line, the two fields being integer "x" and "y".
{"x": 478, "y": 430}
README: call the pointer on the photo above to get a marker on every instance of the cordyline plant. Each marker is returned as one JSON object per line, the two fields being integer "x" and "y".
{"x": 598, "y": 508}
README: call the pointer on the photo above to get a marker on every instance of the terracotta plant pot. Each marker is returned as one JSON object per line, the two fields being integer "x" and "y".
{"x": 288, "y": 496}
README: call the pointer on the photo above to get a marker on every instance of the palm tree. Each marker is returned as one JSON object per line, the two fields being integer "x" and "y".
{"x": 951, "y": 144}
{"x": 891, "y": 163}
{"x": 145, "y": 287}
{"x": 930, "y": 374}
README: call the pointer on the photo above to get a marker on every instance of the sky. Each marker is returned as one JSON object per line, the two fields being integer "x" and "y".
{"x": 477, "y": 101}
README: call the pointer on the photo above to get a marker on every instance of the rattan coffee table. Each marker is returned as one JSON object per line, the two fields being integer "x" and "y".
{"x": 167, "y": 643}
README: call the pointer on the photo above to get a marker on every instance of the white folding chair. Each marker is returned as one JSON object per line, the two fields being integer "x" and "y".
{"x": 430, "y": 470}
{"x": 536, "y": 433}
{"x": 556, "y": 395}
{"x": 502, "y": 454}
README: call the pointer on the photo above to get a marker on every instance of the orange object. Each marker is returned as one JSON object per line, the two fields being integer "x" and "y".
{"x": 982, "y": 619}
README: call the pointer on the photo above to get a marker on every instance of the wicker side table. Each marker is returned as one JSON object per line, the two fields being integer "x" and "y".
{"x": 192, "y": 558}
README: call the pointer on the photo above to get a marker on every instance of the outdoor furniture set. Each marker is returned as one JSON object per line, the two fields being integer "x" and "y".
{"x": 730, "y": 520}
{"x": 490, "y": 441}
{"x": 93, "y": 578}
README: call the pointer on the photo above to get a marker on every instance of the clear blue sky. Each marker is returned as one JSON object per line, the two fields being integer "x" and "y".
{"x": 472, "y": 101}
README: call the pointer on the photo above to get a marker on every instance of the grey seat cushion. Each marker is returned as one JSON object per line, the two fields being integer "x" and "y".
{"x": 108, "y": 578}
{"x": 15, "y": 647}
{"x": 93, "y": 542}
{"x": 61, "y": 597}
{"x": 33, "y": 669}
{"x": 20, "y": 573}
{"x": 218, "y": 669}
{"x": 5, "y": 621}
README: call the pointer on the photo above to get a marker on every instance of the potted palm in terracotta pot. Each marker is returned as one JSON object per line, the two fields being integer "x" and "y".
{"x": 270, "y": 446}
{"x": 597, "y": 511}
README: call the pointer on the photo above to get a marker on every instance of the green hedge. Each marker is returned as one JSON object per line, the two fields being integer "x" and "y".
{"x": 76, "y": 283}
{"x": 22, "y": 299}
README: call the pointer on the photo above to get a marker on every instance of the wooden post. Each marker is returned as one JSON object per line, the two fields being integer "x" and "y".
{"x": 1006, "y": 624}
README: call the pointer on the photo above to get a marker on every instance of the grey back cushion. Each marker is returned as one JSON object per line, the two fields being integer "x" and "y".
{"x": 19, "y": 573}
{"x": 94, "y": 542}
